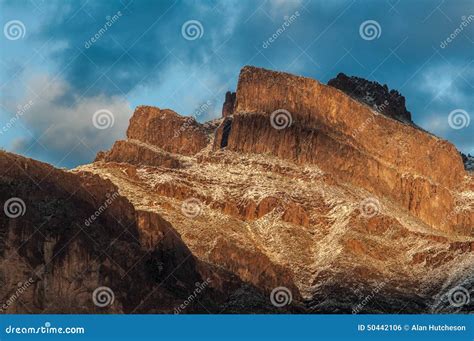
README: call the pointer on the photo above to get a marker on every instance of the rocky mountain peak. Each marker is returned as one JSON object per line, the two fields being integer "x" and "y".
{"x": 299, "y": 186}
{"x": 167, "y": 130}
{"x": 388, "y": 102}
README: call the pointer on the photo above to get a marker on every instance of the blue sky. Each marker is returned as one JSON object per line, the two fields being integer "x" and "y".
{"x": 144, "y": 58}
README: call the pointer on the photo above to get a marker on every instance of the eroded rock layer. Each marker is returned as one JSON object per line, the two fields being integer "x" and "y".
{"x": 343, "y": 210}
{"x": 167, "y": 130}
{"x": 347, "y": 139}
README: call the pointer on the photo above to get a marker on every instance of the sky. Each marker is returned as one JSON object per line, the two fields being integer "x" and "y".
{"x": 72, "y": 72}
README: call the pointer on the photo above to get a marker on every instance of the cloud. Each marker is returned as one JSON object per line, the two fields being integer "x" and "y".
{"x": 444, "y": 82}
{"x": 446, "y": 87}
{"x": 64, "y": 131}
{"x": 280, "y": 8}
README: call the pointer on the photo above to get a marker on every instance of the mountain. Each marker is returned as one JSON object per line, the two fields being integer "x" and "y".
{"x": 300, "y": 199}
{"x": 390, "y": 103}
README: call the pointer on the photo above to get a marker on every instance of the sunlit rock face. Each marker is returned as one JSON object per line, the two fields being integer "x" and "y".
{"x": 300, "y": 199}
{"x": 348, "y": 140}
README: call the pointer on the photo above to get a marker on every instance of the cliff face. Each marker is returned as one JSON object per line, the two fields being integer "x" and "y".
{"x": 348, "y": 140}
{"x": 313, "y": 105}
{"x": 155, "y": 134}
{"x": 167, "y": 130}
{"x": 298, "y": 190}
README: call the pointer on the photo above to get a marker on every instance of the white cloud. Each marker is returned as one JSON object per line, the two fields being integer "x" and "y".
{"x": 60, "y": 120}
{"x": 442, "y": 82}
{"x": 280, "y": 8}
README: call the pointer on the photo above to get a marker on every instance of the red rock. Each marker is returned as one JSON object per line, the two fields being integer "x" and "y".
{"x": 387, "y": 157}
{"x": 129, "y": 151}
{"x": 167, "y": 130}
{"x": 273, "y": 208}
{"x": 296, "y": 214}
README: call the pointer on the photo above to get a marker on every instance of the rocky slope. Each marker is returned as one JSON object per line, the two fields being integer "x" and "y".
{"x": 299, "y": 199}
{"x": 75, "y": 234}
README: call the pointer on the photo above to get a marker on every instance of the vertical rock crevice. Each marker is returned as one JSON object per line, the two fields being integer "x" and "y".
{"x": 226, "y": 128}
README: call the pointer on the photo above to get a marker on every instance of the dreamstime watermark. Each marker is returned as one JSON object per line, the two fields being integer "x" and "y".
{"x": 110, "y": 199}
{"x": 453, "y": 300}
{"x": 14, "y": 30}
{"x": 281, "y": 296}
{"x": 286, "y": 24}
{"x": 370, "y": 30}
{"x": 192, "y": 30}
{"x": 453, "y": 213}
{"x": 367, "y": 99}
{"x": 197, "y": 291}
{"x": 103, "y": 119}
{"x": 363, "y": 126}
{"x": 108, "y": 24}
{"x": 369, "y": 207}
{"x": 459, "y": 296}
{"x": 203, "y": 108}
{"x": 368, "y": 298}
{"x": 21, "y": 110}
{"x": 458, "y": 119}
{"x": 281, "y": 119}
{"x": 18, "y": 292}
{"x": 464, "y": 23}
{"x": 103, "y": 297}
{"x": 191, "y": 207}
{"x": 14, "y": 208}
{"x": 46, "y": 329}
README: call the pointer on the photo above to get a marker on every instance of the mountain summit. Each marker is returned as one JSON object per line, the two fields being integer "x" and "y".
{"x": 301, "y": 198}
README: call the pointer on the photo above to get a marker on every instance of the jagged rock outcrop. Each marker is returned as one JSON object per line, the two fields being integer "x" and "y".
{"x": 390, "y": 103}
{"x": 228, "y": 106}
{"x": 300, "y": 190}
